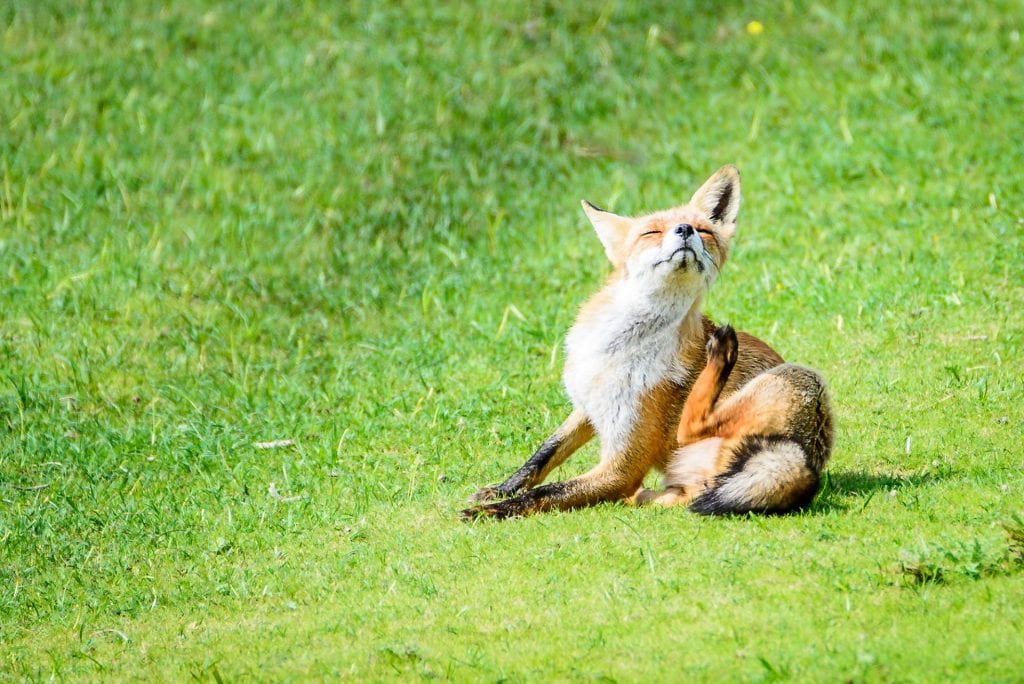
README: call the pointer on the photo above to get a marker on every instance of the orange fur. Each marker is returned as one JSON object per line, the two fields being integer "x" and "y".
{"x": 760, "y": 449}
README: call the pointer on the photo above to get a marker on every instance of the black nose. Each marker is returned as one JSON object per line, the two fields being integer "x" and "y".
{"x": 684, "y": 229}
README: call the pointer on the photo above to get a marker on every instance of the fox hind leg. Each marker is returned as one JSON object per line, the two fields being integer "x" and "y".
{"x": 695, "y": 421}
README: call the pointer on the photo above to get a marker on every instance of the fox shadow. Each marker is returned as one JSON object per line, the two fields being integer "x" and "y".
{"x": 843, "y": 490}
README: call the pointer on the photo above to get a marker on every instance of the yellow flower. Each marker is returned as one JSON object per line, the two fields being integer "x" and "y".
{"x": 755, "y": 28}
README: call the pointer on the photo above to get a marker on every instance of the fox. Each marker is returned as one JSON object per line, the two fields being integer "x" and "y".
{"x": 731, "y": 427}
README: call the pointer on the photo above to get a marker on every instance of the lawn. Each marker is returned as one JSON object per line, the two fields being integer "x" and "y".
{"x": 356, "y": 227}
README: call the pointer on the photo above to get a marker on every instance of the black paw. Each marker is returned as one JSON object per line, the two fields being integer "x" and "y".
{"x": 486, "y": 494}
{"x": 471, "y": 514}
{"x": 497, "y": 510}
{"x": 723, "y": 346}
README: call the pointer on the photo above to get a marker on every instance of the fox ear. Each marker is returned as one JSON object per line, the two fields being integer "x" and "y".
{"x": 611, "y": 230}
{"x": 719, "y": 197}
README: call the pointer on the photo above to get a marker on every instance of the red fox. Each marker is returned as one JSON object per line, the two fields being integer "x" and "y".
{"x": 732, "y": 428}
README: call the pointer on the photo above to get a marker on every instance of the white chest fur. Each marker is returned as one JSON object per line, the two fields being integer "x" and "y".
{"x": 617, "y": 354}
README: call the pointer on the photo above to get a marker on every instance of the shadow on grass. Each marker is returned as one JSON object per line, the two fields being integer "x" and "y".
{"x": 846, "y": 490}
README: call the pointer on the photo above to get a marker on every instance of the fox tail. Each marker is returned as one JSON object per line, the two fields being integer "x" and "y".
{"x": 767, "y": 475}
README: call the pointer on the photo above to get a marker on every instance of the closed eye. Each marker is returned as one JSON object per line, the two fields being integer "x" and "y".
{"x": 651, "y": 232}
{"x": 705, "y": 231}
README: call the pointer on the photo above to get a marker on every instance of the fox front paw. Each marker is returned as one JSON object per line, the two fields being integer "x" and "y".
{"x": 723, "y": 346}
{"x": 487, "y": 494}
{"x": 492, "y": 510}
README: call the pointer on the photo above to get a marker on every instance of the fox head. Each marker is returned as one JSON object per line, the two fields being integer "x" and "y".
{"x": 678, "y": 249}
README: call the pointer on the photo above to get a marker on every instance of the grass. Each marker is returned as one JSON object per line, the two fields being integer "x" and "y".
{"x": 356, "y": 226}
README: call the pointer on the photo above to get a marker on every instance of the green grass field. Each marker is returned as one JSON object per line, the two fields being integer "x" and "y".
{"x": 356, "y": 226}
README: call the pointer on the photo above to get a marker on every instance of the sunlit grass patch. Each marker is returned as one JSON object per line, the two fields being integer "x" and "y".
{"x": 281, "y": 284}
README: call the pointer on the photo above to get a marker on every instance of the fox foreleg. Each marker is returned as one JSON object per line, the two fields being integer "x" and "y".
{"x": 566, "y": 440}
{"x": 600, "y": 484}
